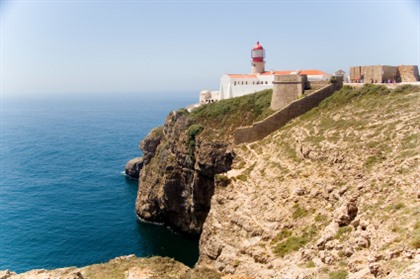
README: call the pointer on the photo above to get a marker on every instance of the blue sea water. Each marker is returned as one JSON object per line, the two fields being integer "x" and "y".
{"x": 63, "y": 198}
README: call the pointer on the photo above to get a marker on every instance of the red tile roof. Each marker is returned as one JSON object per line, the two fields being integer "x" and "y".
{"x": 312, "y": 72}
{"x": 302, "y": 72}
{"x": 277, "y": 73}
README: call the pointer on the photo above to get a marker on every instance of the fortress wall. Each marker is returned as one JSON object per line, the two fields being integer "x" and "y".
{"x": 261, "y": 129}
{"x": 287, "y": 88}
{"x": 371, "y": 74}
{"x": 315, "y": 85}
{"x": 409, "y": 73}
{"x": 383, "y": 73}
{"x": 390, "y": 73}
{"x": 355, "y": 73}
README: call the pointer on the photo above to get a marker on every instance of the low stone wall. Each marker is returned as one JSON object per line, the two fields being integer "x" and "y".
{"x": 261, "y": 129}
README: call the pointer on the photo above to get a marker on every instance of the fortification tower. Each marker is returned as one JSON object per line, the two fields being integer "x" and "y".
{"x": 257, "y": 62}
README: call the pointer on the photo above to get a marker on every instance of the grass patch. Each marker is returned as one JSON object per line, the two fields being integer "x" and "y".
{"x": 405, "y": 89}
{"x": 394, "y": 207}
{"x": 299, "y": 212}
{"x": 321, "y": 218}
{"x": 374, "y": 159}
{"x": 343, "y": 233}
{"x": 285, "y": 233}
{"x": 242, "y": 177}
{"x": 310, "y": 264}
{"x": 410, "y": 142}
{"x": 415, "y": 239}
{"x": 340, "y": 274}
{"x": 291, "y": 244}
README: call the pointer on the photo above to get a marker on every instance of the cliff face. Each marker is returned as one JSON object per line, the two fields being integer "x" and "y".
{"x": 182, "y": 158}
{"x": 177, "y": 180}
{"x": 333, "y": 194}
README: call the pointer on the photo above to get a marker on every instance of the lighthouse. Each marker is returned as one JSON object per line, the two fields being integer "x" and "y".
{"x": 257, "y": 62}
{"x": 236, "y": 85}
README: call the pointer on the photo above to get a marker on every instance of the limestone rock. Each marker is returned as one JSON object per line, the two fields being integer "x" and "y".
{"x": 318, "y": 197}
{"x": 346, "y": 213}
{"x": 121, "y": 267}
{"x": 4, "y": 274}
{"x": 133, "y": 167}
{"x": 177, "y": 180}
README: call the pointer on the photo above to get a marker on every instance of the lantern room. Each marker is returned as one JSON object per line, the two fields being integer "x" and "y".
{"x": 258, "y": 53}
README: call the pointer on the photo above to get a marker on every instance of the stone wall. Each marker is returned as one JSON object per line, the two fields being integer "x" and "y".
{"x": 384, "y": 73}
{"x": 315, "y": 85}
{"x": 261, "y": 129}
{"x": 355, "y": 73}
{"x": 409, "y": 73}
{"x": 379, "y": 73}
{"x": 287, "y": 88}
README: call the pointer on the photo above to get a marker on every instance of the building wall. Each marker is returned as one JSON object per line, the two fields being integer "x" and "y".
{"x": 208, "y": 96}
{"x": 257, "y": 67}
{"x": 236, "y": 87}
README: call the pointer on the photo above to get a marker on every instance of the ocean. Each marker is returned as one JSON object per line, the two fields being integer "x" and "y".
{"x": 64, "y": 200}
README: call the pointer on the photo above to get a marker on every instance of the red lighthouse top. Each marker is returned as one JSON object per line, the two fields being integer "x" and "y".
{"x": 258, "y": 53}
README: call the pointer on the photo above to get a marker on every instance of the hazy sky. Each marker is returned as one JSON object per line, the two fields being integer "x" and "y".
{"x": 72, "y": 46}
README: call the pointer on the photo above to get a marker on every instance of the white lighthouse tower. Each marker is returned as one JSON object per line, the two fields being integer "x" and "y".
{"x": 257, "y": 62}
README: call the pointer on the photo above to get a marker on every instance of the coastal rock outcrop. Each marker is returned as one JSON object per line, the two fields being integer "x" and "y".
{"x": 177, "y": 180}
{"x": 133, "y": 167}
{"x": 121, "y": 267}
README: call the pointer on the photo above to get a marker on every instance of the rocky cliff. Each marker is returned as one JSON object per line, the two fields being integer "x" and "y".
{"x": 182, "y": 158}
{"x": 177, "y": 180}
{"x": 334, "y": 194}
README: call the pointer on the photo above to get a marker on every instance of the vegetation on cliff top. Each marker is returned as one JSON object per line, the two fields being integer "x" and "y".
{"x": 221, "y": 118}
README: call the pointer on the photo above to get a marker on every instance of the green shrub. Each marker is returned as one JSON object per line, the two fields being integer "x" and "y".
{"x": 193, "y": 131}
{"x": 226, "y": 115}
{"x": 406, "y": 88}
{"x": 182, "y": 111}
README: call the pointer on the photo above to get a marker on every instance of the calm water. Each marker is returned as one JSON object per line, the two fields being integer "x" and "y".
{"x": 63, "y": 199}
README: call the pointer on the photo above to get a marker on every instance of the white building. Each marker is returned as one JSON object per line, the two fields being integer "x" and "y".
{"x": 235, "y": 85}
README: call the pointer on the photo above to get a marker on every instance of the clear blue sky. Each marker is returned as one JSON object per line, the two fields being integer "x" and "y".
{"x": 63, "y": 47}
